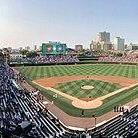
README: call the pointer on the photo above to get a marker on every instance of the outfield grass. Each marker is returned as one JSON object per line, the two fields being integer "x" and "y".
{"x": 33, "y": 72}
{"x": 130, "y": 71}
{"x": 74, "y": 88}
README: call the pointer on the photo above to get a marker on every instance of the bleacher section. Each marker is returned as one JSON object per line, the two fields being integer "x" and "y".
{"x": 130, "y": 58}
{"x": 46, "y": 59}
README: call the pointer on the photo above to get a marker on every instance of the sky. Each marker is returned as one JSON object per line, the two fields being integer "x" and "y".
{"x": 32, "y": 22}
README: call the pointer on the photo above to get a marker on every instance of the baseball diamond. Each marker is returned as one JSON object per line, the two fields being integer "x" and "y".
{"x": 112, "y": 85}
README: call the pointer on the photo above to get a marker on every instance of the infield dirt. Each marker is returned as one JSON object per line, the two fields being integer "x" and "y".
{"x": 49, "y": 83}
{"x": 52, "y": 81}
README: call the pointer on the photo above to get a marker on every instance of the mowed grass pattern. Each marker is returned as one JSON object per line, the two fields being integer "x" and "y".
{"x": 34, "y": 72}
{"x": 130, "y": 71}
{"x": 74, "y": 88}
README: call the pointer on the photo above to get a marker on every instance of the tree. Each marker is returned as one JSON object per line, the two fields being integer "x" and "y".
{"x": 32, "y": 54}
{"x": 24, "y": 52}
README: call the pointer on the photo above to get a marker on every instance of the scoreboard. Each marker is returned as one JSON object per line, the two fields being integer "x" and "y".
{"x": 53, "y": 48}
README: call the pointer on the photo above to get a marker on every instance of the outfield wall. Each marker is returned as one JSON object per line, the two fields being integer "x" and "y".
{"x": 82, "y": 62}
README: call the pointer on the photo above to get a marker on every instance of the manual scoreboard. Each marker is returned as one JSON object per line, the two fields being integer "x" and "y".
{"x": 53, "y": 48}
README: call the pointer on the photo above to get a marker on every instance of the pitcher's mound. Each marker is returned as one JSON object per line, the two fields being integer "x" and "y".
{"x": 87, "y": 87}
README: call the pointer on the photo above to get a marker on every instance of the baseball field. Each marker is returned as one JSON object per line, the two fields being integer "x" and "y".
{"x": 94, "y": 88}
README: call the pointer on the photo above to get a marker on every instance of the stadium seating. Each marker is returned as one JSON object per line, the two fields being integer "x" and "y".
{"x": 130, "y": 58}
{"x": 19, "y": 112}
{"x": 123, "y": 126}
{"x": 21, "y": 116}
{"x": 47, "y": 59}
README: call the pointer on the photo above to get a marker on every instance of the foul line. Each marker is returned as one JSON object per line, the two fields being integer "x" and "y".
{"x": 84, "y": 104}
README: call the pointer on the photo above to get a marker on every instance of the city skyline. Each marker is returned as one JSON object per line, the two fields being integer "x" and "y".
{"x": 73, "y": 22}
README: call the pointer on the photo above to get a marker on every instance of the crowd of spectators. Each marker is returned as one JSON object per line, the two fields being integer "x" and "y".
{"x": 20, "y": 116}
{"x": 133, "y": 58}
{"x": 123, "y": 126}
{"x": 23, "y": 115}
{"x": 47, "y": 59}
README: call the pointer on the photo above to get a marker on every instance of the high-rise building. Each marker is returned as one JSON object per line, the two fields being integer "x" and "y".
{"x": 103, "y": 37}
{"x": 78, "y": 47}
{"x": 100, "y": 46}
{"x": 133, "y": 46}
{"x": 119, "y": 44}
{"x": 102, "y": 42}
